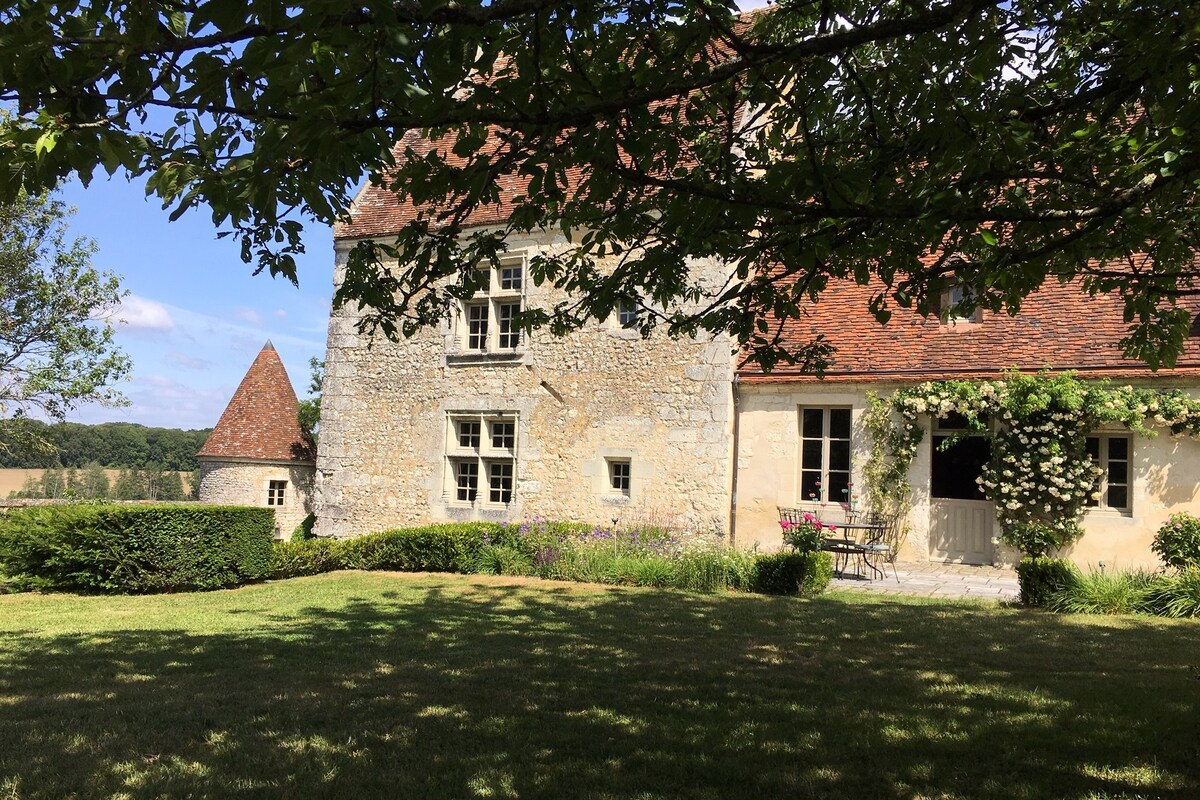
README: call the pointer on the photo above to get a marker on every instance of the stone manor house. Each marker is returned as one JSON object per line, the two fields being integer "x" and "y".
{"x": 474, "y": 420}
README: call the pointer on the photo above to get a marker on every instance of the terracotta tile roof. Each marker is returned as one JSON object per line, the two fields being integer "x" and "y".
{"x": 260, "y": 421}
{"x": 376, "y": 211}
{"x": 1058, "y": 327}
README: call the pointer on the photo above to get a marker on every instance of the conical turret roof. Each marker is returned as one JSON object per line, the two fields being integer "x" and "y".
{"x": 260, "y": 421}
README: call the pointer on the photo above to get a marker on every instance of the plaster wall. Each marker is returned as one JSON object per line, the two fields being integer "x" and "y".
{"x": 1165, "y": 475}
{"x": 596, "y": 394}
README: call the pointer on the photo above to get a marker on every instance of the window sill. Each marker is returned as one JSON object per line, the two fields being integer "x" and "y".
{"x": 616, "y": 499}
{"x": 480, "y": 358}
{"x": 1108, "y": 513}
{"x": 466, "y": 504}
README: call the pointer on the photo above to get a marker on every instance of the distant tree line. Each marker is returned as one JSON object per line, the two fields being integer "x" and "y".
{"x": 111, "y": 444}
{"x": 150, "y": 482}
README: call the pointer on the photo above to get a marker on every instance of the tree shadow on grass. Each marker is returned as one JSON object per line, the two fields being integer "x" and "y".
{"x": 456, "y": 689}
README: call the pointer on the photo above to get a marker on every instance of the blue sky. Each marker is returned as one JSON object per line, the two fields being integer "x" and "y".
{"x": 195, "y": 316}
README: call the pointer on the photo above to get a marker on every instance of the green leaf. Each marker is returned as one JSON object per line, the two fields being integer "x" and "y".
{"x": 46, "y": 142}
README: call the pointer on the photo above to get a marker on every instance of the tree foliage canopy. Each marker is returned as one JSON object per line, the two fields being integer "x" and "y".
{"x": 997, "y": 143}
{"x": 56, "y": 343}
{"x": 110, "y": 444}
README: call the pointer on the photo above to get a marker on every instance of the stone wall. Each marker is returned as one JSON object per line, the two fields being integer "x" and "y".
{"x": 245, "y": 483}
{"x": 597, "y": 394}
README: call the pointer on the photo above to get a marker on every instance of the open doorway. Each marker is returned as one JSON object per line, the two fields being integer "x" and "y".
{"x": 961, "y": 519}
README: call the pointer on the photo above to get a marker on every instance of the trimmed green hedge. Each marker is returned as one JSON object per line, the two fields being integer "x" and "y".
{"x": 450, "y": 547}
{"x": 134, "y": 549}
{"x": 301, "y": 557}
{"x": 1042, "y": 578}
{"x": 806, "y": 574}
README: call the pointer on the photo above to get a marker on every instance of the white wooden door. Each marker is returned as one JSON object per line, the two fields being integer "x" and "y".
{"x": 961, "y": 531}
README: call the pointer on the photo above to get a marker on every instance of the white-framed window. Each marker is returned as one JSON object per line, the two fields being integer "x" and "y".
{"x": 276, "y": 490}
{"x": 481, "y": 457}
{"x": 487, "y": 322}
{"x": 824, "y": 454}
{"x": 620, "y": 475}
{"x": 1112, "y": 455}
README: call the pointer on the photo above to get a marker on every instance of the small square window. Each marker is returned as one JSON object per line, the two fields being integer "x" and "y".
{"x": 468, "y": 434}
{"x": 512, "y": 276}
{"x": 500, "y": 482}
{"x": 504, "y": 435}
{"x": 466, "y": 479}
{"x": 619, "y": 476}
{"x": 627, "y": 313}
{"x": 275, "y": 492}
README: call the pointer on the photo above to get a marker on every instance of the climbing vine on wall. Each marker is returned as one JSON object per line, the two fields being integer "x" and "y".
{"x": 1040, "y": 477}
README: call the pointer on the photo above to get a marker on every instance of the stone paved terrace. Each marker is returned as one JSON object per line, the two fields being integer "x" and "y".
{"x": 937, "y": 580}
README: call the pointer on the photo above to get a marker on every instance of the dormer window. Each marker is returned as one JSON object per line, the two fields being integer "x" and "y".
{"x": 955, "y": 303}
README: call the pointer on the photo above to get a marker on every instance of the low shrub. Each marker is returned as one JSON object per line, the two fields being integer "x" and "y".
{"x": 451, "y": 547}
{"x": 134, "y": 549}
{"x": 1177, "y": 542}
{"x": 1104, "y": 593}
{"x": 1175, "y": 595}
{"x": 1040, "y": 578}
{"x": 298, "y": 558}
{"x": 304, "y": 530}
{"x": 787, "y": 572}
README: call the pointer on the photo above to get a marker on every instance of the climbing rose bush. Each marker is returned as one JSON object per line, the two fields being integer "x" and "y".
{"x": 1040, "y": 476}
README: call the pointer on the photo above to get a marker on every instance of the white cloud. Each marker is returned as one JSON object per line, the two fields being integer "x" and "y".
{"x": 279, "y": 312}
{"x": 162, "y": 401}
{"x": 141, "y": 313}
{"x": 247, "y": 314}
{"x": 190, "y": 362}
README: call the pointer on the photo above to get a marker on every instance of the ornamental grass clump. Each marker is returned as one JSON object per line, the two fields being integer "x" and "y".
{"x": 632, "y": 554}
{"x": 1105, "y": 593}
{"x": 1175, "y": 595}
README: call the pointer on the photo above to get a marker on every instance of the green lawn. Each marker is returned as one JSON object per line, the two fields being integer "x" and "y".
{"x": 374, "y": 685}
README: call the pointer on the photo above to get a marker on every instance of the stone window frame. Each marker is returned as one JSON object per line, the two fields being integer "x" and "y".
{"x": 479, "y": 321}
{"x": 824, "y": 469}
{"x": 276, "y": 493}
{"x": 620, "y": 476}
{"x": 597, "y": 470}
{"x": 1101, "y": 456}
{"x": 481, "y": 458}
